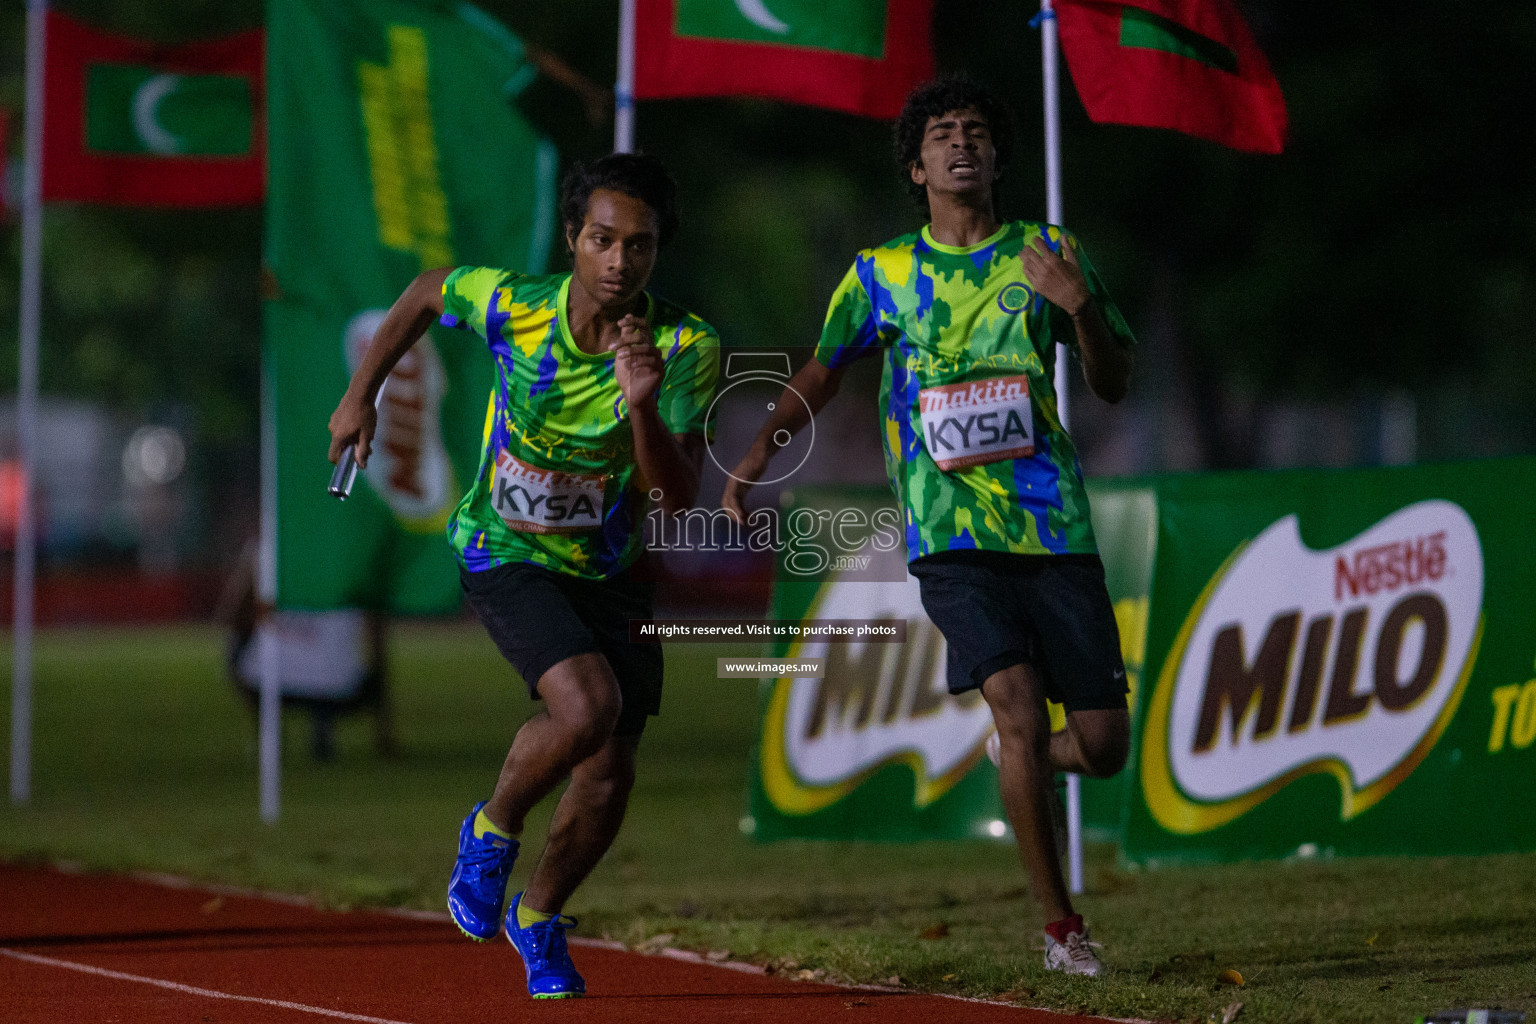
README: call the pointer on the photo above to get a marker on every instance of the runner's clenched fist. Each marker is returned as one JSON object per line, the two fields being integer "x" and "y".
{"x": 638, "y": 364}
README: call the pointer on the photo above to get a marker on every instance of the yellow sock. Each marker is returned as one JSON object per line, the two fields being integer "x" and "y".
{"x": 526, "y": 916}
{"x": 483, "y": 825}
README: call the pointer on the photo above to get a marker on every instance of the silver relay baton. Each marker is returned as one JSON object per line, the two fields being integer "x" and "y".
{"x": 345, "y": 473}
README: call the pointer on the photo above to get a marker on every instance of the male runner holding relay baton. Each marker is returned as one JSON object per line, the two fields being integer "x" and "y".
{"x": 965, "y": 314}
{"x": 599, "y": 406}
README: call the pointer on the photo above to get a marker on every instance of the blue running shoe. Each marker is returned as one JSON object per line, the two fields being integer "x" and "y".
{"x": 551, "y": 975}
{"x": 478, "y": 889}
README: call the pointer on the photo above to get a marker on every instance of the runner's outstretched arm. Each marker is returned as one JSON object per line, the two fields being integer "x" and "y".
{"x": 670, "y": 463}
{"x": 417, "y": 308}
{"x": 1106, "y": 365}
{"x": 667, "y": 462}
{"x": 816, "y": 383}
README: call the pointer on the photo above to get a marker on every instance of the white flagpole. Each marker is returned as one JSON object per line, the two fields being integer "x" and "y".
{"x": 270, "y": 713}
{"x": 24, "y": 580}
{"x": 1053, "y": 212}
{"x": 624, "y": 88}
{"x": 1053, "y": 215}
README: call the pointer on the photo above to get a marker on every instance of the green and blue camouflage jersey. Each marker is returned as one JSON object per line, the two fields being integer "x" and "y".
{"x": 974, "y": 446}
{"x": 556, "y": 485}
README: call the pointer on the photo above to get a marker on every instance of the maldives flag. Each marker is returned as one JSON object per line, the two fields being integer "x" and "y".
{"x": 1189, "y": 65}
{"x": 138, "y": 124}
{"x": 859, "y": 56}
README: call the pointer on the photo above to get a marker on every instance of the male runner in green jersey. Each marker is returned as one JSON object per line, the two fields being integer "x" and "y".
{"x": 965, "y": 314}
{"x": 599, "y": 406}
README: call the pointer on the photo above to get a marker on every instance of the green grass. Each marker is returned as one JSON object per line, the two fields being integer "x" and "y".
{"x": 145, "y": 759}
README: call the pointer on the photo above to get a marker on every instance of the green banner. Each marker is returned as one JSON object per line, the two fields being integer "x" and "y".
{"x": 1340, "y": 663}
{"x": 393, "y": 148}
{"x": 1125, "y": 524}
{"x": 1321, "y": 663}
{"x": 878, "y": 748}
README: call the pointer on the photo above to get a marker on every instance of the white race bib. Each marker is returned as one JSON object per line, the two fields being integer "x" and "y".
{"x": 535, "y": 500}
{"x": 978, "y": 422}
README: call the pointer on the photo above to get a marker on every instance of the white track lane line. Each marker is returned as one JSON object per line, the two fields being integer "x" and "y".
{"x": 174, "y": 986}
{"x": 441, "y": 917}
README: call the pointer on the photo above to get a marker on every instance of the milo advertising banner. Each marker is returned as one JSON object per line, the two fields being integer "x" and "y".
{"x": 877, "y": 748}
{"x": 1340, "y": 662}
{"x": 1335, "y": 662}
{"x": 393, "y": 148}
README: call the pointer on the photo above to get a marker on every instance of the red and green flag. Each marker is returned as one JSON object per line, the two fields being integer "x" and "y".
{"x": 858, "y": 56}
{"x": 139, "y": 124}
{"x": 1189, "y": 65}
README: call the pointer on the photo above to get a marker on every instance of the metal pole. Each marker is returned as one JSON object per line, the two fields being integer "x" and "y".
{"x": 270, "y": 716}
{"x": 624, "y": 88}
{"x": 1053, "y": 212}
{"x": 26, "y": 408}
{"x": 1053, "y": 215}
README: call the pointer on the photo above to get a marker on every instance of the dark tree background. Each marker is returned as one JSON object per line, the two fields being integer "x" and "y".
{"x": 1384, "y": 261}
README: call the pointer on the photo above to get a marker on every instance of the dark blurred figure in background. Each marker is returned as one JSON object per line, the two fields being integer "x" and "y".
{"x": 330, "y": 663}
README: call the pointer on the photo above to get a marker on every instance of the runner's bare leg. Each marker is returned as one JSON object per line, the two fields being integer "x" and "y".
{"x": 585, "y": 824}
{"x": 1017, "y": 699}
{"x": 1094, "y": 743}
{"x": 581, "y": 705}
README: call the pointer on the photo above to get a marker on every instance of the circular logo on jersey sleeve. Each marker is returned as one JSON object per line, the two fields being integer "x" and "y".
{"x": 1015, "y": 298}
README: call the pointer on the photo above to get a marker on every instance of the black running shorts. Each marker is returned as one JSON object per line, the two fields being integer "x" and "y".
{"x": 539, "y": 617}
{"x": 1052, "y": 612}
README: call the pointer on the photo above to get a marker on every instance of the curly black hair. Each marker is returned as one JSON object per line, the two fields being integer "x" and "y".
{"x": 634, "y": 174}
{"x": 935, "y": 99}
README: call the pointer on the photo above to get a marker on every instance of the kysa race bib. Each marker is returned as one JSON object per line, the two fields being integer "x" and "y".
{"x": 535, "y": 500}
{"x": 978, "y": 422}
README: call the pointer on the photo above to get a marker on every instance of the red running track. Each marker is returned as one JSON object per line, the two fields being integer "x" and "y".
{"x": 77, "y": 948}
